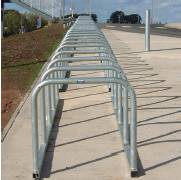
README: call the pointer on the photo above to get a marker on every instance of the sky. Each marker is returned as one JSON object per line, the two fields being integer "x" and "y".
{"x": 170, "y": 10}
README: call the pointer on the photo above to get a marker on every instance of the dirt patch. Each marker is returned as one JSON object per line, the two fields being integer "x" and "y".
{"x": 22, "y": 58}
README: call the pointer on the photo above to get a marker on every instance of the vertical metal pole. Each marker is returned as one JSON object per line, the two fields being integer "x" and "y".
{"x": 147, "y": 31}
{"x": 35, "y": 142}
{"x": 109, "y": 75}
{"x": 59, "y": 75}
{"x": 114, "y": 91}
{"x": 125, "y": 117}
{"x": 56, "y": 88}
{"x": 43, "y": 115}
{"x": 49, "y": 105}
{"x": 52, "y": 94}
{"x": 119, "y": 103}
{"x": 116, "y": 96}
{"x": 133, "y": 132}
{"x": 55, "y": 91}
{"x": 62, "y": 74}
{"x": 158, "y": 11}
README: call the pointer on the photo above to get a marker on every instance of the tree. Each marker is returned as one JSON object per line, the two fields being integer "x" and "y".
{"x": 117, "y": 17}
{"x": 120, "y": 17}
{"x": 133, "y": 19}
{"x": 94, "y": 16}
{"x": 12, "y": 22}
{"x": 31, "y": 22}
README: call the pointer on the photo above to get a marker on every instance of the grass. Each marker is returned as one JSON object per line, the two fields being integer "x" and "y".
{"x": 22, "y": 59}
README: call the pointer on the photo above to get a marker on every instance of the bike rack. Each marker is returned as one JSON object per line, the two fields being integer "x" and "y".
{"x": 83, "y": 38}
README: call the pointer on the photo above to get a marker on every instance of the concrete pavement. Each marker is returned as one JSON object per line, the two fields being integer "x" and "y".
{"x": 156, "y": 77}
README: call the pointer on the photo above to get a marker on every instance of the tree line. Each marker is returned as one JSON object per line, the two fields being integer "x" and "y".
{"x": 75, "y": 16}
{"x": 15, "y": 22}
{"x": 121, "y": 17}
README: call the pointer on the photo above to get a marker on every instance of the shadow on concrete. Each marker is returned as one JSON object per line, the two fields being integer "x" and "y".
{"x": 83, "y": 74}
{"x": 160, "y": 136}
{"x": 171, "y": 49}
{"x": 159, "y": 101}
{"x": 163, "y": 163}
{"x": 160, "y": 116}
{"x": 138, "y": 70}
{"x": 87, "y": 138}
{"x": 155, "y": 89}
{"x": 65, "y": 86}
{"x": 87, "y": 120}
{"x": 157, "y": 108}
{"x": 143, "y": 76}
{"x": 98, "y": 104}
{"x": 146, "y": 143}
{"x": 116, "y": 153}
{"x": 47, "y": 164}
{"x": 130, "y": 67}
{"x": 87, "y": 95}
{"x": 147, "y": 84}
{"x": 141, "y": 170}
{"x": 133, "y": 64}
{"x": 87, "y": 87}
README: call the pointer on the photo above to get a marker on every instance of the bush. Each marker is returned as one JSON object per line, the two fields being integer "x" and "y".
{"x": 30, "y": 22}
{"x": 13, "y": 19}
{"x": 12, "y": 22}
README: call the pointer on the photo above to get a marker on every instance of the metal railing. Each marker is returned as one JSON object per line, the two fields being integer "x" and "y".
{"x": 83, "y": 38}
{"x": 45, "y": 8}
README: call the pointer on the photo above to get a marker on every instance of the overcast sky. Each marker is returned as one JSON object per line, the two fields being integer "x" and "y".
{"x": 170, "y": 10}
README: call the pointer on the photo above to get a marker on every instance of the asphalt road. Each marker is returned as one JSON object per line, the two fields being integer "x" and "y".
{"x": 135, "y": 28}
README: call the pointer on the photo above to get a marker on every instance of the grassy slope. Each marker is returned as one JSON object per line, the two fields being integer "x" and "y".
{"x": 22, "y": 58}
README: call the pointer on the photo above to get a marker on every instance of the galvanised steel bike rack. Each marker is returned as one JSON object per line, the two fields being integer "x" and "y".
{"x": 83, "y": 38}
